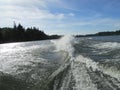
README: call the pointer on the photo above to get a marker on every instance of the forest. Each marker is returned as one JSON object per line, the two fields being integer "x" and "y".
{"x": 19, "y": 34}
{"x": 105, "y": 33}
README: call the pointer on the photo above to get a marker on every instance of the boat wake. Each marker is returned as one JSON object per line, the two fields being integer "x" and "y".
{"x": 65, "y": 64}
{"x": 79, "y": 72}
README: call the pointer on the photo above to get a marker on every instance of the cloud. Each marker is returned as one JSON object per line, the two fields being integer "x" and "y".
{"x": 53, "y": 15}
{"x": 27, "y": 10}
{"x": 24, "y": 3}
{"x": 98, "y": 22}
{"x": 71, "y": 14}
{"x": 91, "y": 25}
{"x": 60, "y": 16}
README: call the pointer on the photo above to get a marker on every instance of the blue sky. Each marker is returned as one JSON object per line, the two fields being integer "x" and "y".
{"x": 62, "y": 16}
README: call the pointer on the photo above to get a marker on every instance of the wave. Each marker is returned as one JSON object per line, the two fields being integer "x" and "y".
{"x": 74, "y": 72}
{"x": 75, "y": 66}
{"x": 65, "y": 44}
{"x": 82, "y": 71}
{"x": 107, "y": 45}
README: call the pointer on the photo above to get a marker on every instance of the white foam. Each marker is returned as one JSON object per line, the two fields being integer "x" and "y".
{"x": 13, "y": 55}
{"x": 65, "y": 44}
{"x": 90, "y": 38}
{"x": 107, "y": 45}
{"x": 80, "y": 64}
{"x": 89, "y": 63}
{"x": 112, "y": 71}
{"x": 96, "y": 66}
{"x": 82, "y": 78}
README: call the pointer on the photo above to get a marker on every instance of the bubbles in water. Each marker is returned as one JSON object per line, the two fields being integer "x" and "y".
{"x": 65, "y": 44}
{"x": 107, "y": 45}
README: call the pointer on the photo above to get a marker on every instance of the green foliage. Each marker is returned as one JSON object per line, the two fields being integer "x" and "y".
{"x": 19, "y": 33}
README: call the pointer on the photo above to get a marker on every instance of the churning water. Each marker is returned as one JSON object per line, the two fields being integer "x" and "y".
{"x": 90, "y": 63}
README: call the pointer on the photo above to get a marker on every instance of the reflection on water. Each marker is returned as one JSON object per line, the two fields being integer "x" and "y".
{"x": 29, "y": 62}
{"x": 67, "y": 64}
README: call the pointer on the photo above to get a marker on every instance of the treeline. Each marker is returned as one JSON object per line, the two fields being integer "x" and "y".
{"x": 106, "y": 33}
{"x": 18, "y": 34}
{"x": 117, "y": 32}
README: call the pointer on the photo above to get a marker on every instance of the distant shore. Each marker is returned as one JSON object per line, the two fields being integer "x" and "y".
{"x": 106, "y": 33}
{"x": 19, "y": 34}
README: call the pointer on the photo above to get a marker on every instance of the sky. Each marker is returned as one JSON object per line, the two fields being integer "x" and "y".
{"x": 62, "y": 16}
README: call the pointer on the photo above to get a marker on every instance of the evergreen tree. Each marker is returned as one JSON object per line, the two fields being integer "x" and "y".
{"x": 20, "y": 32}
{"x": 1, "y": 38}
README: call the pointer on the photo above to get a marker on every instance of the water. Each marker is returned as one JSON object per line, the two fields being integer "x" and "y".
{"x": 89, "y": 63}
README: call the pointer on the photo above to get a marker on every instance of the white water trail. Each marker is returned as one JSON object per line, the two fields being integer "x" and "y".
{"x": 65, "y": 44}
{"x": 78, "y": 64}
{"x": 82, "y": 78}
{"x": 107, "y": 45}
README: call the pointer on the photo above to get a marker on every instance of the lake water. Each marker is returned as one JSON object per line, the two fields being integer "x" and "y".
{"x": 89, "y": 63}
